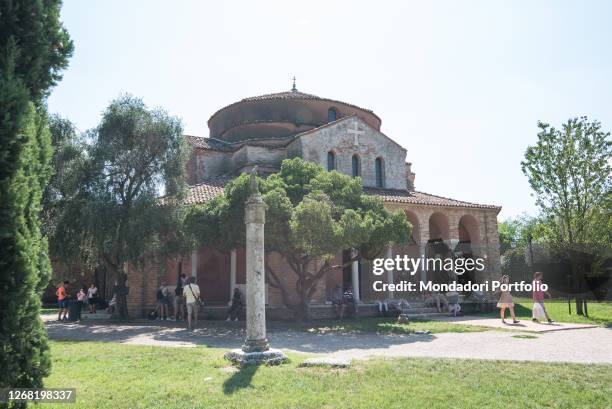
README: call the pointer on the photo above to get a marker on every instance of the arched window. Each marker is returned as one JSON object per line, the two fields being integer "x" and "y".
{"x": 332, "y": 114}
{"x": 378, "y": 166}
{"x": 356, "y": 166}
{"x": 331, "y": 161}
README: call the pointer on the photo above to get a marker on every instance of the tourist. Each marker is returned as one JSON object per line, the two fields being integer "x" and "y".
{"x": 112, "y": 304}
{"x": 337, "y": 302}
{"x": 505, "y": 301}
{"x": 348, "y": 300}
{"x": 179, "y": 300}
{"x": 191, "y": 292}
{"x": 539, "y": 311}
{"x": 454, "y": 308}
{"x": 81, "y": 297}
{"x": 236, "y": 306}
{"x": 162, "y": 300}
{"x": 436, "y": 299}
{"x": 92, "y": 298}
{"x": 62, "y": 301}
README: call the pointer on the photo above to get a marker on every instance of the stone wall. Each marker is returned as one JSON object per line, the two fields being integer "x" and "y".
{"x": 340, "y": 139}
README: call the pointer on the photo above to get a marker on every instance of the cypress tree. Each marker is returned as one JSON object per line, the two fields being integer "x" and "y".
{"x": 34, "y": 49}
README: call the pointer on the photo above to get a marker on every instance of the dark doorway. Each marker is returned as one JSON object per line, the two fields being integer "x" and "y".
{"x": 214, "y": 277}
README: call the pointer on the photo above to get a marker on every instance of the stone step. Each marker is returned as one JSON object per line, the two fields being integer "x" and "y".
{"x": 427, "y": 316}
{"x": 96, "y": 316}
{"x": 421, "y": 310}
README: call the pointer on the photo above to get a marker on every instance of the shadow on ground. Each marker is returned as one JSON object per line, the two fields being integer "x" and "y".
{"x": 224, "y": 335}
{"x": 241, "y": 379}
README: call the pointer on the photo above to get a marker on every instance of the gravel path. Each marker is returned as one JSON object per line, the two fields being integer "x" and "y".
{"x": 589, "y": 345}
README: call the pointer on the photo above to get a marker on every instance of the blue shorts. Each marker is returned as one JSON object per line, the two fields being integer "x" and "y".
{"x": 62, "y": 303}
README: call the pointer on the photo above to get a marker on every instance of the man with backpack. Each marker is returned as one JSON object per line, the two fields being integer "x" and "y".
{"x": 191, "y": 292}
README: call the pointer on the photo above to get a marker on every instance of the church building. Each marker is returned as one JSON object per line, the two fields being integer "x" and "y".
{"x": 264, "y": 130}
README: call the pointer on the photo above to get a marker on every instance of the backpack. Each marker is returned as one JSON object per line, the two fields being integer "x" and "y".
{"x": 160, "y": 294}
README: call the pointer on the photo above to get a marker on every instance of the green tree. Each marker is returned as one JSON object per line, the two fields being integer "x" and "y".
{"x": 68, "y": 158}
{"x": 312, "y": 215}
{"x": 35, "y": 48}
{"x": 117, "y": 214}
{"x": 569, "y": 172}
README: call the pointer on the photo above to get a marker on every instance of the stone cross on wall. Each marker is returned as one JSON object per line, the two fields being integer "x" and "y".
{"x": 355, "y": 132}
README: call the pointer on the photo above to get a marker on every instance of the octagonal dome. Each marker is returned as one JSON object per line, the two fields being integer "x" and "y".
{"x": 281, "y": 115}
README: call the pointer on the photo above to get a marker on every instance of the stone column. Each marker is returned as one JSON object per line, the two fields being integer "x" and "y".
{"x": 423, "y": 254}
{"x": 254, "y": 219}
{"x": 355, "y": 278}
{"x": 390, "y": 271}
{"x": 232, "y": 275}
{"x": 255, "y": 349}
{"x": 194, "y": 265}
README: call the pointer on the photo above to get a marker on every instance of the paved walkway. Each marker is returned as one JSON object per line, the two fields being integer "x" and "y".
{"x": 589, "y": 345}
{"x": 526, "y": 325}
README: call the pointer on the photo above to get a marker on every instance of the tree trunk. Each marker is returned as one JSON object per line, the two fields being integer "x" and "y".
{"x": 579, "y": 303}
{"x": 302, "y": 313}
{"x": 121, "y": 310}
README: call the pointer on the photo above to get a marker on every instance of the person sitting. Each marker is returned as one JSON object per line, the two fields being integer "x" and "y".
{"x": 236, "y": 307}
{"x": 112, "y": 304}
{"x": 453, "y": 303}
{"x": 337, "y": 302}
{"x": 348, "y": 300}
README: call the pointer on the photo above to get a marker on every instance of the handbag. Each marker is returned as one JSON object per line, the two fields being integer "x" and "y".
{"x": 198, "y": 300}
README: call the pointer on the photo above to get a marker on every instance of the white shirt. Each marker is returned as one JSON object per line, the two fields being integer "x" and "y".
{"x": 91, "y": 292}
{"x": 189, "y": 291}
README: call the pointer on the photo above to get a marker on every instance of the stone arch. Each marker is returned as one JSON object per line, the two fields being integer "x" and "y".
{"x": 379, "y": 172}
{"x": 332, "y": 114}
{"x": 331, "y": 160}
{"x": 355, "y": 165}
{"x": 416, "y": 226}
{"x": 438, "y": 227}
{"x": 469, "y": 230}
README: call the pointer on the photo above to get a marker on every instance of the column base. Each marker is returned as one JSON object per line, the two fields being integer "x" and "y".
{"x": 255, "y": 345}
{"x": 269, "y": 357}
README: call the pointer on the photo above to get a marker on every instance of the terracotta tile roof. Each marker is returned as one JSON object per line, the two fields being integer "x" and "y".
{"x": 415, "y": 197}
{"x": 208, "y": 189}
{"x": 205, "y": 191}
{"x": 213, "y": 144}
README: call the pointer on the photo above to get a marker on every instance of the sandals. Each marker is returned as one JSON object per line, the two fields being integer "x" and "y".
{"x": 515, "y": 321}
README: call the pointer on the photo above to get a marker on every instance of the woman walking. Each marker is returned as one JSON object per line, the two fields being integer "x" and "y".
{"x": 539, "y": 311}
{"x": 505, "y": 301}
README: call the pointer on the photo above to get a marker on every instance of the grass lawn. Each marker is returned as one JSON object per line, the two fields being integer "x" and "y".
{"x": 600, "y": 313}
{"x": 108, "y": 375}
{"x": 379, "y": 325}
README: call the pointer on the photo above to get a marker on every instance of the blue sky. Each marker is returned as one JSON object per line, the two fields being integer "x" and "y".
{"x": 461, "y": 85}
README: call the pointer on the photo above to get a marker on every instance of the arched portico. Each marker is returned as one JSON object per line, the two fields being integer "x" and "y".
{"x": 469, "y": 236}
{"x": 438, "y": 227}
